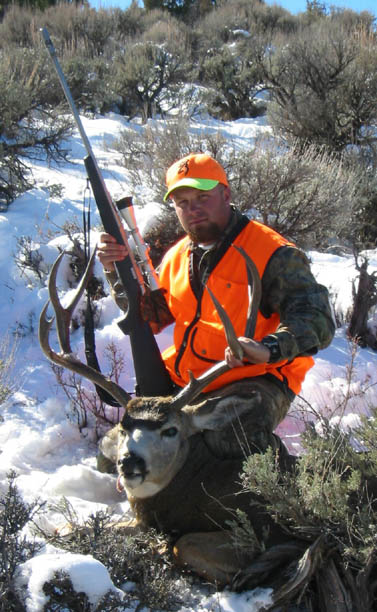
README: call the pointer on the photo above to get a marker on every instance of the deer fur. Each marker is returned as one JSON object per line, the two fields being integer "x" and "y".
{"x": 176, "y": 484}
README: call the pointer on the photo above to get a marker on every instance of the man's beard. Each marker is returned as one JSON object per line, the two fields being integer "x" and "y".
{"x": 207, "y": 233}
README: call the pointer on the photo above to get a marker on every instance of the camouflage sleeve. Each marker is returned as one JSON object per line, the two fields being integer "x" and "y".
{"x": 154, "y": 308}
{"x": 290, "y": 289}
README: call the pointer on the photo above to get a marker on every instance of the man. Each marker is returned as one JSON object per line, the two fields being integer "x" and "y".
{"x": 294, "y": 319}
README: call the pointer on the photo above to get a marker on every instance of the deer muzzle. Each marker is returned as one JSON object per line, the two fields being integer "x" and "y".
{"x": 132, "y": 470}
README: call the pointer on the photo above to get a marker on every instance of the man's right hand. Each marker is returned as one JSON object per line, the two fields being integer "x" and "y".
{"x": 109, "y": 251}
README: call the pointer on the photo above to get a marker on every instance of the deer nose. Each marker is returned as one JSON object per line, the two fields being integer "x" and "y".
{"x": 132, "y": 465}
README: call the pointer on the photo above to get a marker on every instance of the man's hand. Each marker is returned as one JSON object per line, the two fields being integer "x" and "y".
{"x": 254, "y": 352}
{"x": 109, "y": 251}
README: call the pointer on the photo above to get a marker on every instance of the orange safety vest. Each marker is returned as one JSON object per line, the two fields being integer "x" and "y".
{"x": 199, "y": 338}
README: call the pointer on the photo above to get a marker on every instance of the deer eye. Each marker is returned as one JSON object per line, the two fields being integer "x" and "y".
{"x": 170, "y": 432}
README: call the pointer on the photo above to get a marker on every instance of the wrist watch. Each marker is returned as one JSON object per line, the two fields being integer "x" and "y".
{"x": 273, "y": 345}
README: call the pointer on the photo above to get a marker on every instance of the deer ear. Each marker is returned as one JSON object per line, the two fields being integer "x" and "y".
{"x": 208, "y": 414}
{"x": 216, "y": 412}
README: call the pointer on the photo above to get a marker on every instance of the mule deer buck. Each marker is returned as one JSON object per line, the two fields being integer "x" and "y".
{"x": 173, "y": 481}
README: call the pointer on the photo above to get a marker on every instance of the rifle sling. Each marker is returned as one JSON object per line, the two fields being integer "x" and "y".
{"x": 91, "y": 356}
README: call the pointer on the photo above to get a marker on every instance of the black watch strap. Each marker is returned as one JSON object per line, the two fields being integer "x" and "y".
{"x": 273, "y": 345}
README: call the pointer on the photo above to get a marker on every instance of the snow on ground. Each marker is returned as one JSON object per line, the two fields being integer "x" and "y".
{"x": 39, "y": 437}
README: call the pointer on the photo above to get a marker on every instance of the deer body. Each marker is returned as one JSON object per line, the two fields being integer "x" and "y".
{"x": 176, "y": 484}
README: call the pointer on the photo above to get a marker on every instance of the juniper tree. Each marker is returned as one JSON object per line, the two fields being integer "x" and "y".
{"x": 323, "y": 85}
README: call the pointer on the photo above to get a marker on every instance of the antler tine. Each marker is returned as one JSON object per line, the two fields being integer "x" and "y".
{"x": 63, "y": 317}
{"x": 230, "y": 334}
{"x": 196, "y": 385}
{"x": 255, "y": 292}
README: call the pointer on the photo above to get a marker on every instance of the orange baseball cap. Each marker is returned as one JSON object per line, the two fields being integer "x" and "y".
{"x": 196, "y": 170}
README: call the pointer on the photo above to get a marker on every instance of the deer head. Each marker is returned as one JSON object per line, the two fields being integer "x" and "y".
{"x": 150, "y": 444}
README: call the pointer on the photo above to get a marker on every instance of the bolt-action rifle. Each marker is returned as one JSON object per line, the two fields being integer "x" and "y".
{"x": 152, "y": 377}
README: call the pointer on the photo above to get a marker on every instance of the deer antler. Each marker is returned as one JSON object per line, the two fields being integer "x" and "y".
{"x": 63, "y": 319}
{"x": 196, "y": 385}
{"x": 255, "y": 294}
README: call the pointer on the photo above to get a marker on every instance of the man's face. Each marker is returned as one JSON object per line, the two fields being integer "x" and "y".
{"x": 202, "y": 214}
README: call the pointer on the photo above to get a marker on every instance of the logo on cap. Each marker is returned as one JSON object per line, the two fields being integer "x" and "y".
{"x": 184, "y": 167}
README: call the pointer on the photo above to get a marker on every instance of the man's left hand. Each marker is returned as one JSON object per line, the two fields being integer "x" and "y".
{"x": 254, "y": 352}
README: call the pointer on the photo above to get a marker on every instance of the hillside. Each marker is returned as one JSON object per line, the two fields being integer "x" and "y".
{"x": 288, "y": 104}
{"x": 40, "y": 437}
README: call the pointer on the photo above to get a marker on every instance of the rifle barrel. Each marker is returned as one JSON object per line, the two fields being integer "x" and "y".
{"x": 51, "y": 49}
{"x": 151, "y": 374}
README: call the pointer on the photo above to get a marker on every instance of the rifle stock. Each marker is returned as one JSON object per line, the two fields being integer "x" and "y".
{"x": 152, "y": 377}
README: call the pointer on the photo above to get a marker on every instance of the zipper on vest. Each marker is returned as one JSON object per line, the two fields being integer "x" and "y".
{"x": 186, "y": 335}
{"x": 241, "y": 223}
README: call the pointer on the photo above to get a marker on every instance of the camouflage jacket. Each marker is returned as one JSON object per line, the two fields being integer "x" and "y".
{"x": 288, "y": 288}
